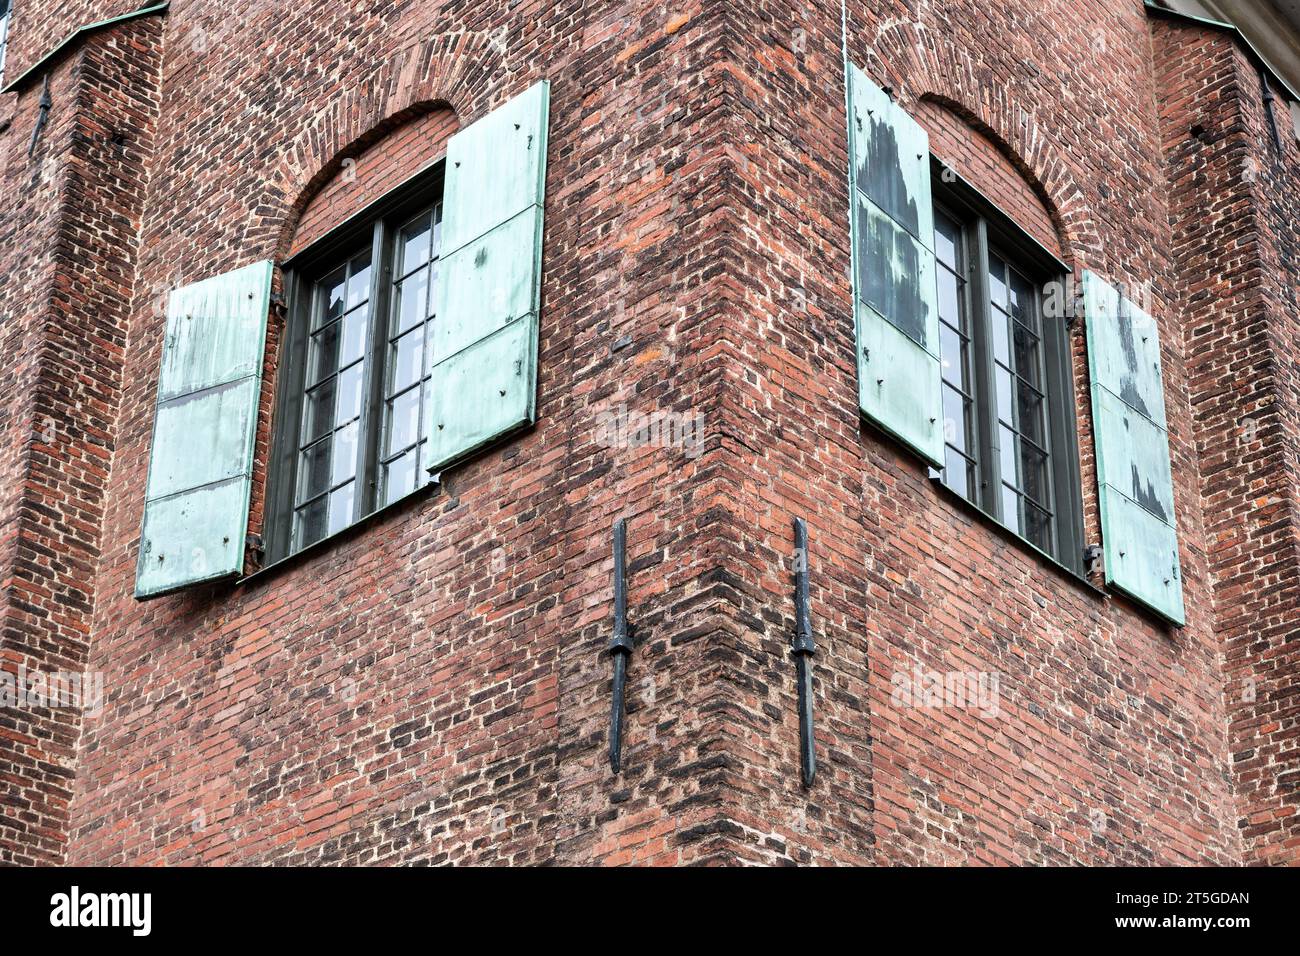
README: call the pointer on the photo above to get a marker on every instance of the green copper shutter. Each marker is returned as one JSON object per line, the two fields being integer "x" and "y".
{"x": 1133, "y": 471}
{"x": 201, "y": 459}
{"x": 483, "y": 381}
{"x": 894, "y": 290}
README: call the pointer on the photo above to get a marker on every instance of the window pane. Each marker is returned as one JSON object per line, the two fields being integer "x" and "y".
{"x": 1001, "y": 345}
{"x": 1011, "y": 508}
{"x": 399, "y": 477}
{"x": 1021, "y": 300}
{"x": 1008, "y": 460}
{"x": 341, "y": 507}
{"x": 1033, "y": 473}
{"x": 412, "y": 296}
{"x": 1026, "y": 353}
{"x": 314, "y": 470}
{"x": 997, "y": 282}
{"x": 1029, "y": 413}
{"x": 954, "y": 418}
{"x": 355, "y": 325}
{"x": 408, "y": 360}
{"x": 958, "y": 474}
{"x": 349, "y": 393}
{"x": 1002, "y": 380}
{"x": 414, "y": 244}
{"x": 318, "y": 417}
{"x": 950, "y": 351}
{"x": 331, "y": 289}
{"x": 949, "y": 290}
{"x": 309, "y": 522}
{"x": 1038, "y": 527}
{"x": 947, "y": 234}
{"x": 324, "y": 353}
{"x": 359, "y": 281}
{"x": 345, "y": 454}
{"x": 403, "y": 420}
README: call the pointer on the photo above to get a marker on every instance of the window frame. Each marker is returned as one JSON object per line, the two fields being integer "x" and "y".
{"x": 6, "y": 21}
{"x": 377, "y": 225}
{"x": 984, "y": 228}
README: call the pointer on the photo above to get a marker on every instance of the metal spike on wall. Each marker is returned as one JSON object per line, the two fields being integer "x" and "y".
{"x": 803, "y": 653}
{"x": 620, "y": 646}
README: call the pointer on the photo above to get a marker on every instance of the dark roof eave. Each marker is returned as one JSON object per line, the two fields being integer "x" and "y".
{"x": 73, "y": 38}
{"x": 1255, "y": 55}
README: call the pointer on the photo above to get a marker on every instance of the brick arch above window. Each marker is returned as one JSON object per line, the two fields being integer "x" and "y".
{"x": 369, "y": 172}
{"x": 980, "y": 156}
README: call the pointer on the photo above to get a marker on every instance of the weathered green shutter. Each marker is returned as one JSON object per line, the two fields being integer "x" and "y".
{"x": 205, "y": 422}
{"x": 1133, "y": 471}
{"x": 484, "y": 354}
{"x": 894, "y": 290}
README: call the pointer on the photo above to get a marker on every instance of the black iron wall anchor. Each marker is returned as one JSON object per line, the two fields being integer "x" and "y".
{"x": 42, "y": 116}
{"x": 620, "y": 646}
{"x": 804, "y": 649}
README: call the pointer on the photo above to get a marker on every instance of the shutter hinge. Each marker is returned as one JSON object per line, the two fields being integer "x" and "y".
{"x": 1091, "y": 558}
{"x": 255, "y": 544}
{"x": 279, "y": 304}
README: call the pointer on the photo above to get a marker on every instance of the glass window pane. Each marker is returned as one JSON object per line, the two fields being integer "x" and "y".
{"x": 309, "y": 522}
{"x": 1038, "y": 527}
{"x": 399, "y": 475}
{"x": 954, "y": 418}
{"x": 412, "y": 296}
{"x": 324, "y": 353}
{"x": 1002, "y": 380}
{"x": 1011, "y": 509}
{"x": 949, "y": 290}
{"x": 403, "y": 420}
{"x": 349, "y": 392}
{"x": 314, "y": 470}
{"x": 414, "y": 244}
{"x": 408, "y": 360}
{"x": 1029, "y": 413}
{"x": 950, "y": 352}
{"x": 1026, "y": 344}
{"x": 331, "y": 291}
{"x": 341, "y": 507}
{"x": 1033, "y": 473}
{"x": 946, "y": 236}
{"x": 997, "y": 281}
{"x": 359, "y": 280}
{"x": 1001, "y": 342}
{"x": 345, "y": 454}
{"x": 1008, "y": 460}
{"x": 318, "y": 416}
{"x": 957, "y": 473}
{"x": 1021, "y": 300}
{"x": 355, "y": 325}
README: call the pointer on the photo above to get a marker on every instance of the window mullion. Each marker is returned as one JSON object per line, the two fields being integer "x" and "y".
{"x": 986, "y": 413}
{"x": 373, "y": 386}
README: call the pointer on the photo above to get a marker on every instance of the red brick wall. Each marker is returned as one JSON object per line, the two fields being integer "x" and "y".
{"x": 69, "y": 228}
{"x": 1234, "y": 209}
{"x": 1109, "y": 742}
{"x": 432, "y": 687}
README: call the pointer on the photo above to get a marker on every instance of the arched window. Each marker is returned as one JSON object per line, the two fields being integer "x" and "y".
{"x": 355, "y": 365}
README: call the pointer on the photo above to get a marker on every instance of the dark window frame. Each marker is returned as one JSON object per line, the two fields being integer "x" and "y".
{"x": 377, "y": 227}
{"x": 985, "y": 228}
{"x": 6, "y": 21}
